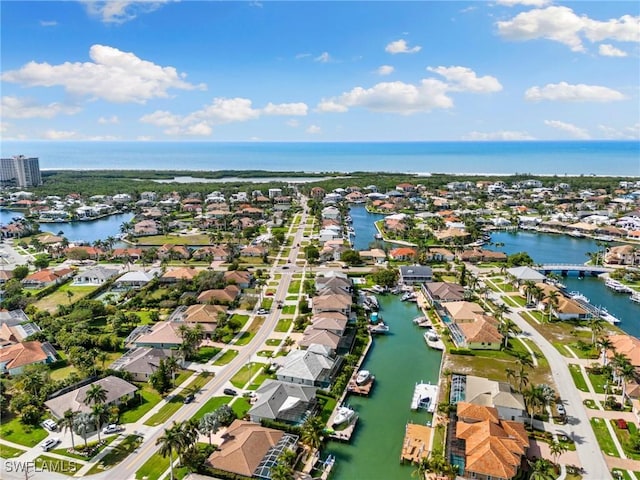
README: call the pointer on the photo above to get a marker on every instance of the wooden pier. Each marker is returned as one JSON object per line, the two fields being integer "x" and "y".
{"x": 362, "y": 390}
{"x": 417, "y": 443}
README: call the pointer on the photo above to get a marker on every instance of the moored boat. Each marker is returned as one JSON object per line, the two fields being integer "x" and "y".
{"x": 363, "y": 377}
{"x": 635, "y": 297}
{"x": 343, "y": 415}
{"x": 433, "y": 340}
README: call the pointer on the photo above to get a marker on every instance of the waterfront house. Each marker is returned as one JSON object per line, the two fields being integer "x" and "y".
{"x": 403, "y": 254}
{"x": 492, "y": 448}
{"x": 128, "y": 254}
{"x": 333, "y": 302}
{"x": 481, "y": 333}
{"x": 476, "y": 255}
{"x": 250, "y": 450}
{"x": 141, "y": 362}
{"x": 522, "y": 275}
{"x": 92, "y": 253}
{"x": 116, "y": 389}
{"x": 489, "y": 393}
{"x": 437, "y": 292}
{"x": 283, "y": 402}
{"x": 95, "y": 276}
{"x": 169, "y": 251}
{"x": 415, "y": 274}
{"x": 14, "y": 358}
{"x": 440, "y": 254}
{"x": 145, "y": 227}
{"x": 316, "y": 366}
{"x": 213, "y": 253}
{"x": 374, "y": 256}
{"x": 627, "y": 345}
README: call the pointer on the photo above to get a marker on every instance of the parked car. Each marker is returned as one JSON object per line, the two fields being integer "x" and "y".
{"x": 49, "y": 443}
{"x": 50, "y": 425}
{"x": 230, "y": 391}
{"x": 561, "y": 411}
{"x": 280, "y": 304}
{"x": 111, "y": 428}
{"x": 263, "y": 311}
{"x": 189, "y": 398}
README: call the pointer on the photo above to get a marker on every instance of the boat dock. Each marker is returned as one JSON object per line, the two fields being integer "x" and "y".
{"x": 423, "y": 322}
{"x": 425, "y": 396}
{"x": 345, "y": 434}
{"x": 417, "y": 443}
{"x": 362, "y": 390}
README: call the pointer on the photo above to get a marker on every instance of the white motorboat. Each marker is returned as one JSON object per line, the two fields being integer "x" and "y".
{"x": 617, "y": 286}
{"x": 433, "y": 340}
{"x": 363, "y": 377}
{"x": 343, "y": 415}
{"x": 379, "y": 328}
{"x": 578, "y": 296}
{"x": 635, "y": 297}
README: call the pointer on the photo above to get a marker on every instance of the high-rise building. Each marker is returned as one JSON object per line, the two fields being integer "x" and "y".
{"x": 20, "y": 171}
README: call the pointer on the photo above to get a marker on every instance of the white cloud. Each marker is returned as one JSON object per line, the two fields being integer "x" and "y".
{"x": 256, "y": 4}
{"x": 331, "y": 106}
{"x": 400, "y": 46}
{"x": 219, "y": 111}
{"x": 59, "y": 134}
{"x": 506, "y": 135}
{"x": 393, "y": 97}
{"x": 607, "y": 50}
{"x": 565, "y": 92}
{"x": 103, "y": 138}
{"x": 109, "y": 120}
{"x": 113, "y": 75}
{"x": 302, "y": 55}
{"x": 293, "y": 123}
{"x": 464, "y": 79}
{"x": 4, "y": 126}
{"x": 385, "y": 70}
{"x": 324, "y": 57}
{"x": 14, "y": 107}
{"x": 527, "y": 3}
{"x": 120, "y": 11}
{"x": 627, "y": 133}
{"x": 286, "y": 109}
{"x": 562, "y": 25}
{"x": 313, "y": 129}
{"x": 48, "y": 23}
{"x": 144, "y": 138}
{"x": 569, "y": 128}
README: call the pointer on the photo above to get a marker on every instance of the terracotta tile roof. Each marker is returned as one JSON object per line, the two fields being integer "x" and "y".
{"x": 492, "y": 447}
{"x": 183, "y": 273}
{"x": 481, "y": 330}
{"x": 203, "y": 313}
{"x": 244, "y": 446}
{"x": 22, "y": 354}
{"x": 627, "y": 345}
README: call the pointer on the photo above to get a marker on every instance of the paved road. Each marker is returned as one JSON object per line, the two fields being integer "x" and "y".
{"x": 578, "y": 426}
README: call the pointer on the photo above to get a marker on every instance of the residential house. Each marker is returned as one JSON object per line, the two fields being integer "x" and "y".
{"x": 14, "y": 358}
{"x": 174, "y": 275}
{"x": 492, "y": 448}
{"x": 374, "y": 256}
{"x": 226, "y": 295}
{"x": 95, "y": 276}
{"x": 440, "y": 254}
{"x": 241, "y": 278}
{"x": 146, "y": 227}
{"x": 174, "y": 252}
{"x": 331, "y": 303}
{"x": 250, "y": 450}
{"x": 117, "y": 392}
{"x": 476, "y": 255}
{"x": 134, "y": 279}
{"x": 403, "y": 254}
{"x": 440, "y": 292}
{"x": 315, "y": 366}
{"x": 159, "y": 335}
{"x": 47, "y": 277}
{"x": 490, "y": 393}
{"x": 481, "y": 333}
{"x": 92, "y": 253}
{"x": 128, "y": 254}
{"x": 141, "y": 362}
{"x": 213, "y": 253}
{"x": 283, "y": 402}
{"x": 415, "y": 274}
{"x": 627, "y": 345}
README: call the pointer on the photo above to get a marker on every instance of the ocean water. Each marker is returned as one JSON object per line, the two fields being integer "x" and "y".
{"x": 619, "y": 158}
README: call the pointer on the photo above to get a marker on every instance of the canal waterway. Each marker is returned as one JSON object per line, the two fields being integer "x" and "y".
{"x": 86, "y": 231}
{"x": 364, "y": 226}
{"x": 398, "y": 360}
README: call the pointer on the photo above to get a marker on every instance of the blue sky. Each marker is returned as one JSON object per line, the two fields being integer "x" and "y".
{"x": 320, "y": 71}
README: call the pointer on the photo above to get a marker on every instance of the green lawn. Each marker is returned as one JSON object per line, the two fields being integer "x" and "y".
{"x": 604, "y": 439}
{"x": 284, "y": 324}
{"x": 158, "y": 240}
{"x": 182, "y": 376}
{"x": 173, "y": 405}
{"x": 153, "y": 468}
{"x": 13, "y": 430}
{"x": 328, "y": 404}
{"x": 273, "y": 342}
{"x": 241, "y": 406}
{"x": 241, "y": 318}
{"x": 62, "y": 373}
{"x": 150, "y": 398}
{"x": 294, "y": 286}
{"x": 255, "y": 384}
{"x": 578, "y": 378}
{"x": 226, "y": 357}
{"x": 206, "y": 353}
{"x": 622, "y": 474}
{"x": 624, "y": 436}
{"x": 245, "y": 374}
{"x": 212, "y": 404}
{"x": 60, "y": 296}
{"x": 50, "y": 464}
{"x": 117, "y": 454}
{"x": 9, "y": 452}
{"x": 598, "y": 382}
{"x": 248, "y": 335}
{"x": 289, "y": 309}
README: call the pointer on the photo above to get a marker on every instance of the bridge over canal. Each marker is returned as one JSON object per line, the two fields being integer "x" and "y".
{"x": 565, "y": 268}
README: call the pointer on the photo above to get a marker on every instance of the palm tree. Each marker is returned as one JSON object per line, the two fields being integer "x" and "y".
{"x": 172, "y": 366}
{"x": 506, "y": 328}
{"x": 95, "y": 394}
{"x": 523, "y": 379}
{"x": 83, "y": 424}
{"x": 534, "y": 398}
{"x": 422, "y": 467}
{"x": 67, "y": 422}
{"x": 604, "y": 344}
{"x": 102, "y": 357}
{"x": 557, "y": 449}
{"x": 625, "y": 373}
{"x": 209, "y": 424}
{"x": 541, "y": 469}
{"x": 552, "y": 302}
{"x": 501, "y": 309}
{"x": 524, "y": 360}
{"x": 100, "y": 415}
{"x": 170, "y": 442}
{"x": 311, "y": 433}
{"x": 511, "y": 374}
{"x": 596, "y": 326}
